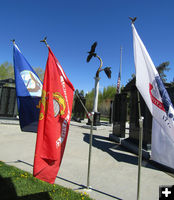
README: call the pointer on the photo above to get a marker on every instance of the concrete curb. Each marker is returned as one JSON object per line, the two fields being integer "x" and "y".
{"x": 103, "y": 126}
{"x": 145, "y": 154}
{"x": 10, "y": 121}
{"x": 130, "y": 146}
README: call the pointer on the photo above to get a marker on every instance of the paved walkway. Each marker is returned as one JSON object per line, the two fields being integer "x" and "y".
{"x": 113, "y": 169}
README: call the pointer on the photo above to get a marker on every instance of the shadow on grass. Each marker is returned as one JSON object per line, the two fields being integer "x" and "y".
{"x": 80, "y": 186}
{"x": 8, "y": 192}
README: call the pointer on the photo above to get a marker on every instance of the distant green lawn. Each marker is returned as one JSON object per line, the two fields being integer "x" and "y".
{"x": 20, "y": 185}
{"x": 102, "y": 118}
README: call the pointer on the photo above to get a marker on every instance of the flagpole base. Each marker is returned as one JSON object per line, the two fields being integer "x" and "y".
{"x": 96, "y": 121}
{"x": 88, "y": 189}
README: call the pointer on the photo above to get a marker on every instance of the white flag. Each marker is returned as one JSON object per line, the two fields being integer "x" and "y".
{"x": 162, "y": 146}
{"x": 157, "y": 99}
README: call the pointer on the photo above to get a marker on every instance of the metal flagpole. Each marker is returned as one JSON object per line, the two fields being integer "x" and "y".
{"x": 90, "y": 115}
{"x": 140, "y": 136}
{"x": 89, "y": 157}
{"x": 140, "y": 147}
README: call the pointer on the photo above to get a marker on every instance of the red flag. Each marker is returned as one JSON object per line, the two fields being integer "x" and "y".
{"x": 54, "y": 120}
{"x": 118, "y": 84}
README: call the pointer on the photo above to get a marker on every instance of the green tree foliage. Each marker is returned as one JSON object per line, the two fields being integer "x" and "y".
{"x": 40, "y": 72}
{"x": 82, "y": 93}
{"x": 104, "y": 99}
{"x": 108, "y": 92}
{"x": 6, "y": 71}
{"x": 161, "y": 70}
{"x": 132, "y": 77}
{"x": 89, "y": 100}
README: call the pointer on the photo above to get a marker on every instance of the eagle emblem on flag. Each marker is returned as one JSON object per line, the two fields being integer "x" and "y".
{"x": 59, "y": 104}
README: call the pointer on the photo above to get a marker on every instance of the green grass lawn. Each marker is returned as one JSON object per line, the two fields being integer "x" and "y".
{"x": 20, "y": 185}
{"x": 102, "y": 118}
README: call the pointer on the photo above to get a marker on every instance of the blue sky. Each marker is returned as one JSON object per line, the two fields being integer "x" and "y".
{"x": 71, "y": 27}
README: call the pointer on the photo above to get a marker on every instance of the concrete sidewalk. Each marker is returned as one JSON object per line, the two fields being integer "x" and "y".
{"x": 113, "y": 169}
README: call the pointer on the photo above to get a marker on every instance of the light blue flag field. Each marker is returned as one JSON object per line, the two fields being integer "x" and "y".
{"x": 28, "y": 92}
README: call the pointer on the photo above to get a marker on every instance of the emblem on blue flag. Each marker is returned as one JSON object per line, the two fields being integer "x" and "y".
{"x": 32, "y": 83}
{"x": 28, "y": 92}
{"x": 164, "y": 95}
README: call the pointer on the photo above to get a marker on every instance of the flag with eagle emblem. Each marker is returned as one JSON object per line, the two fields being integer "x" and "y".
{"x": 54, "y": 119}
{"x": 28, "y": 92}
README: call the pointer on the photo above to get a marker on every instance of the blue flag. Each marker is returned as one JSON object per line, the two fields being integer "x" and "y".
{"x": 28, "y": 92}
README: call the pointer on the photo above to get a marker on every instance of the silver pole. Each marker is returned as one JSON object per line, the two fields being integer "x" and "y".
{"x": 96, "y": 92}
{"x": 96, "y": 89}
{"x": 89, "y": 157}
{"x": 140, "y": 156}
{"x": 90, "y": 115}
{"x": 140, "y": 147}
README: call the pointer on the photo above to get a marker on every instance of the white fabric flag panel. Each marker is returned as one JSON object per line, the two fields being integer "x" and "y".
{"x": 158, "y": 101}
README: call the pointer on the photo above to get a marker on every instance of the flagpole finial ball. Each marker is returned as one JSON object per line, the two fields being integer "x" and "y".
{"x": 13, "y": 40}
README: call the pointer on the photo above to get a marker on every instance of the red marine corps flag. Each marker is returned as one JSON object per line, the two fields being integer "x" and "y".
{"x": 54, "y": 119}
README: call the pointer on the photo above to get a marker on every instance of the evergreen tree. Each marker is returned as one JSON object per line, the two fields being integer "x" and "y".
{"x": 161, "y": 70}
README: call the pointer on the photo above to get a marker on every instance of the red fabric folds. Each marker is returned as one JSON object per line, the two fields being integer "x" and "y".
{"x": 54, "y": 120}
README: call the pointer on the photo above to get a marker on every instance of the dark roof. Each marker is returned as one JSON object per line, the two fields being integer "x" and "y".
{"x": 9, "y": 80}
{"x": 130, "y": 85}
